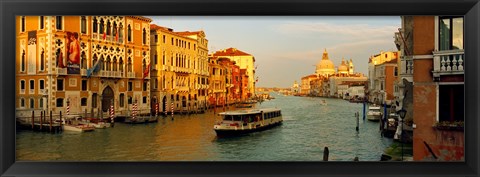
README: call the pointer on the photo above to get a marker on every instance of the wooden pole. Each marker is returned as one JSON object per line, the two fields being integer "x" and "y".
{"x": 91, "y": 113}
{"x": 60, "y": 118}
{"x": 325, "y": 154}
{"x": 33, "y": 119}
{"x": 85, "y": 112}
{"x": 357, "y": 115}
{"x": 50, "y": 124}
{"x": 41, "y": 123}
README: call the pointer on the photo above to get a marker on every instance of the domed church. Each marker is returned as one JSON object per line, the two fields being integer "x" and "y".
{"x": 325, "y": 67}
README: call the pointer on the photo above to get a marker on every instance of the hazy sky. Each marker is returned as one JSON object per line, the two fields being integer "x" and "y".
{"x": 288, "y": 48}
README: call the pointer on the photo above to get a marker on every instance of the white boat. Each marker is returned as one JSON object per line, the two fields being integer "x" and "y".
{"x": 74, "y": 123}
{"x": 95, "y": 123}
{"x": 374, "y": 113}
{"x": 246, "y": 121}
{"x": 324, "y": 103}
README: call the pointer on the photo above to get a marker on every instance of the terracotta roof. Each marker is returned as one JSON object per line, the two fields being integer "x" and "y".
{"x": 230, "y": 52}
{"x": 156, "y": 27}
{"x": 189, "y": 33}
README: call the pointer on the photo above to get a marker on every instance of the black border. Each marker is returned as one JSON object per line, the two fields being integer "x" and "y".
{"x": 9, "y": 9}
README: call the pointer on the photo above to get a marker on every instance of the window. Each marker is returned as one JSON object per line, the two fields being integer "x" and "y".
{"x": 144, "y": 86}
{"x": 59, "y": 102}
{"x": 155, "y": 59}
{"x": 164, "y": 39}
{"x": 42, "y": 22}
{"x": 83, "y": 102}
{"x": 94, "y": 100}
{"x": 83, "y": 24}
{"x": 130, "y": 86}
{"x": 59, "y": 84}
{"x": 156, "y": 37}
{"x": 84, "y": 60}
{"x": 395, "y": 71}
{"x": 144, "y": 100}
{"x": 42, "y": 84}
{"x": 22, "y": 86}
{"x": 129, "y": 33}
{"x": 101, "y": 27}
{"x": 32, "y": 86}
{"x": 84, "y": 85}
{"x": 22, "y": 25}
{"x": 451, "y": 33}
{"x": 451, "y": 103}
{"x": 129, "y": 100}
{"x": 22, "y": 68}
{"x": 94, "y": 25}
{"x": 40, "y": 103}
{"x": 58, "y": 22}
{"x": 22, "y": 102}
{"x": 32, "y": 103}
{"x": 42, "y": 61}
{"x": 122, "y": 100}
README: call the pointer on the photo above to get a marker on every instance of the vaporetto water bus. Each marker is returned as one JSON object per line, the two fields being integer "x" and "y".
{"x": 247, "y": 120}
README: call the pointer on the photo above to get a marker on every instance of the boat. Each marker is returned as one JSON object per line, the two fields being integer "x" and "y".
{"x": 324, "y": 103}
{"x": 74, "y": 123}
{"x": 244, "y": 105}
{"x": 141, "y": 119}
{"x": 246, "y": 121}
{"x": 96, "y": 123}
{"x": 374, "y": 113}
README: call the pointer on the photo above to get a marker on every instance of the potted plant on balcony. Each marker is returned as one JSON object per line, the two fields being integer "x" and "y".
{"x": 448, "y": 125}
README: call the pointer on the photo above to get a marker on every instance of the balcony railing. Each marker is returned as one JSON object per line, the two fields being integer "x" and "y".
{"x": 131, "y": 75}
{"x": 62, "y": 71}
{"x": 448, "y": 62}
{"x": 407, "y": 65}
{"x": 83, "y": 72}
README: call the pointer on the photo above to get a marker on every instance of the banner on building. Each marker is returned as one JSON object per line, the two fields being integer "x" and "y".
{"x": 73, "y": 53}
{"x": 32, "y": 52}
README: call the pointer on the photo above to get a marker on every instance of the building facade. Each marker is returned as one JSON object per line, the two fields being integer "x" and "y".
{"x": 383, "y": 73}
{"x": 244, "y": 61}
{"x": 86, "y": 63}
{"x": 433, "y": 59}
{"x": 179, "y": 70}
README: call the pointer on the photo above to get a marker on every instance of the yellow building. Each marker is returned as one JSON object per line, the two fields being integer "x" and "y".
{"x": 86, "y": 62}
{"x": 179, "y": 69}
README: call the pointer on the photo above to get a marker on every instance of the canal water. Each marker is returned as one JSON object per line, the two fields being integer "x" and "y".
{"x": 307, "y": 129}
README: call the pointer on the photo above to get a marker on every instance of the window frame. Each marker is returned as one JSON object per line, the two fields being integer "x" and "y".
{"x": 63, "y": 84}
{"x": 450, "y": 18}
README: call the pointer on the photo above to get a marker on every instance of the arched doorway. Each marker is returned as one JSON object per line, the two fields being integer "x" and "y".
{"x": 107, "y": 98}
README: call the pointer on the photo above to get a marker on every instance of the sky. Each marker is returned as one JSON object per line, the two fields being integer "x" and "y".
{"x": 288, "y": 48}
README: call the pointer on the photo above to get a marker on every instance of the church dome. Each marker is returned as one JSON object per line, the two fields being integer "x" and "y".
{"x": 325, "y": 66}
{"x": 343, "y": 67}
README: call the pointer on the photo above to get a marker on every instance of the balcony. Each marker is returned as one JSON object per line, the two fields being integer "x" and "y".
{"x": 131, "y": 75}
{"x": 62, "y": 71}
{"x": 407, "y": 67}
{"x": 448, "y": 62}
{"x": 83, "y": 72}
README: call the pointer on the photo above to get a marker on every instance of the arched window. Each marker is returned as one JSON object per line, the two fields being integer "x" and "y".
{"x": 108, "y": 66}
{"x": 23, "y": 62}
{"x": 109, "y": 28}
{"x": 42, "y": 60}
{"x": 102, "y": 60}
{"x": 22, "y": 102}
{"x": 120, "y": 64}
{"x": 32, "y": 103}
{"x": 94, "y": 25}
{"x": 144, "y": 65}
{"x": 84, "y": 60}
{"x": 83, "y": 24}
{"x": 129, "y": 67}
{"x": 120, "y": 33}
{"x": 129, "y": 33}
{"x": 115, "y": 64}
{"x": 58, "y": 22}
{"x": 23, "y": 23}
{"x": 102, "y": 28}
{"x": 94, "y": 60}
{"x": 144, "y": 36}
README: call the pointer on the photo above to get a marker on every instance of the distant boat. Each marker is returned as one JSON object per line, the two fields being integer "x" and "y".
{"x": 374, "y": 113}
{"x": 75, "y": 123}
{"x": 324, "y": 103}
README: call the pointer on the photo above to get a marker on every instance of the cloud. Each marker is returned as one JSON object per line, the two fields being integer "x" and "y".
{"x": 346, "y": 31}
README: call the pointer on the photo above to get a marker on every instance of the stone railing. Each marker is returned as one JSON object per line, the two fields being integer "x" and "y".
{"x": 448, "y": 62}
{"x": 83, "y": 72}
{"x": 131, "y": 75}
{"x": 62, "y": 71}
{"x": 407, "y": 65}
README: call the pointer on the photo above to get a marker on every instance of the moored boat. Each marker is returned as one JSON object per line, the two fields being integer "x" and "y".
{"x": 74, "y": 123}
{"x": 324, "y": 103}
{"x": 247, "y": 121}
{"x": 374, "y": 113}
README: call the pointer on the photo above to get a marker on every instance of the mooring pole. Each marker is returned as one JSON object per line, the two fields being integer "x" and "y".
{"x": 33, "y": 119}
{"x": 357, "y": 115}
{"x": 364, "y": 108}
{"x": 325, "y": 154}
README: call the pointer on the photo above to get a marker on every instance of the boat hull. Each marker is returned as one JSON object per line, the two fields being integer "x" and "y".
{"x": 239, "y": 131}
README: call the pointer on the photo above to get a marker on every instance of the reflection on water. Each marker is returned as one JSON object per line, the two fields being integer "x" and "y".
{"x": 308, "y": 127}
